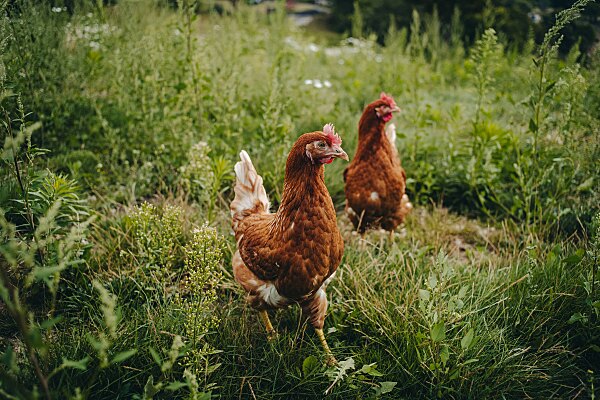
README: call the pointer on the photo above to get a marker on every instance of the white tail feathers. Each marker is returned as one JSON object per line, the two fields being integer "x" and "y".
{"x": 250, "y": 194}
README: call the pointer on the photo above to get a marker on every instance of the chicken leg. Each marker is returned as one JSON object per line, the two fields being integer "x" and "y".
{"x": 269, "y": 327}
{"x": 315, "y": 309}
{"x": 330, "y": 360}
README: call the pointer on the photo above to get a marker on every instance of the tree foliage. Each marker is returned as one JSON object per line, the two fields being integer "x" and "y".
{"x": 514, "y": 20}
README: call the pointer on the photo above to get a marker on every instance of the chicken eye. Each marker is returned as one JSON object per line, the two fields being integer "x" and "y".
{"x": 321, "y": 145}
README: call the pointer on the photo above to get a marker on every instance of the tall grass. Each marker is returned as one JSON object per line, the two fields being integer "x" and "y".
{"x": 116, "y": 246}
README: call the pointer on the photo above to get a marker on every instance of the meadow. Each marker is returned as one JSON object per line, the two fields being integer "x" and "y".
{"x": 120, "y": 128}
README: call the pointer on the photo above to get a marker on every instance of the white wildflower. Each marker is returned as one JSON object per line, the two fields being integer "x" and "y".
{"x": 313, "y": 47}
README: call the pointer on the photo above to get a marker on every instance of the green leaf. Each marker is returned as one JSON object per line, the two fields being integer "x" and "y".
{"x": 155, "y": 356}
{"x": 574, "y": 258}
{"x": 310, "y": 365}
{"x": 387, "y": 387}
{"x": 466, "y": 341}
{"x": 150, "y": 389}
{"x": 49, "y": 323}
{"x": 444, "y": 354}
{"x": 586, "y": 185}
{"x": 205, "y": 395}
{"x": 432, "y": 281}
{"x": 212, "y": 368}
{"x": 42, "y": 273}
{"x": 577, "y": 317}
{"x": 550, "y": 86}
{"x": 33, "y": 127}
{"x": 36, "y": 337}
{"x": 173, "y": 386}
{"x": 80, "y": 365}
{"x": 533, "y": 126}
{"x": 438, "y": 332}
{"x": 370, "y": 369}
{"x": 454, "y": 373}
{"x": 424, "y": 294}
{"x": 9, "y": 359}
{"x": 122, "y": 356}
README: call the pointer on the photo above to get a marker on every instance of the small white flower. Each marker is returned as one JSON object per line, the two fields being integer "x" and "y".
{"x": 378, "y": 58}
{"x": 313, "y": 47}
{"x": 57, "y": 9}
{"x": 308, "y": 82}
{"x": 318, "y": 84}
{"x": 327, "y": 84}
{"x": 94, "y": 45}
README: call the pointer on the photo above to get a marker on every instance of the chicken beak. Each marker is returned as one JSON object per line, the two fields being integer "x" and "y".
{"x": 396, "y": 109}
{"x": 340, "y": 153}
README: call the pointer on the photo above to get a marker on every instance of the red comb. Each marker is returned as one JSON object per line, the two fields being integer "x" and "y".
{"x": 388, "y": 99}
{"x": 332, "y": 136}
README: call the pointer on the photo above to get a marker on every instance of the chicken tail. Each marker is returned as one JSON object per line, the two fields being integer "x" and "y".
{"x": 250, "y": 194}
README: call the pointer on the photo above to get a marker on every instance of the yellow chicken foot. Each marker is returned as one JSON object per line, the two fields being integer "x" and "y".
{"x": 265, "y": 319}
{"x": 330, "y": 360}
{"x": 392, "y": 236}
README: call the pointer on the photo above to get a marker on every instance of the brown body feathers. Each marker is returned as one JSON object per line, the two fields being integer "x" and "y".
{"x": 287, "y": 256}
{"x": 375, "y": 182}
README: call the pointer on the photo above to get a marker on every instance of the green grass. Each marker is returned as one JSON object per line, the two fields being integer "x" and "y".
{"x": 490, "y": 290}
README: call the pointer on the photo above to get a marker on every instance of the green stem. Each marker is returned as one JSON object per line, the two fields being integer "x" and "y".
{"x": 19, "y": 315}
{"x": 538, "y": 106}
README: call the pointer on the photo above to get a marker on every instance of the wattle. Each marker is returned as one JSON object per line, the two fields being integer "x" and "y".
{"x": 387, "y": 117}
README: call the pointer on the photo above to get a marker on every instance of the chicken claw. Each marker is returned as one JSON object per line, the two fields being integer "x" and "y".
{"x": 271, "y": 334}
{"x": 330, "y": 360}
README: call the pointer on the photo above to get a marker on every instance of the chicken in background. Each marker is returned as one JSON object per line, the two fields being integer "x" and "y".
{"x": 289, "y": 256}
{"x": 375, "y": 182}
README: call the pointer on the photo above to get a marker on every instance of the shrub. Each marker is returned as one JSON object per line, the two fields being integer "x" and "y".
{"x": 197, "y": 302}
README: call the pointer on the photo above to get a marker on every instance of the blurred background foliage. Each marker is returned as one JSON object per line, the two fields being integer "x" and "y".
{"x": 516, "y": 21}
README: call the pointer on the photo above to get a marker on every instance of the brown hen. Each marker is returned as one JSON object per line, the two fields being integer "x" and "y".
{"x": 291, "y": 255}
{"x": 375, "y": 180}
